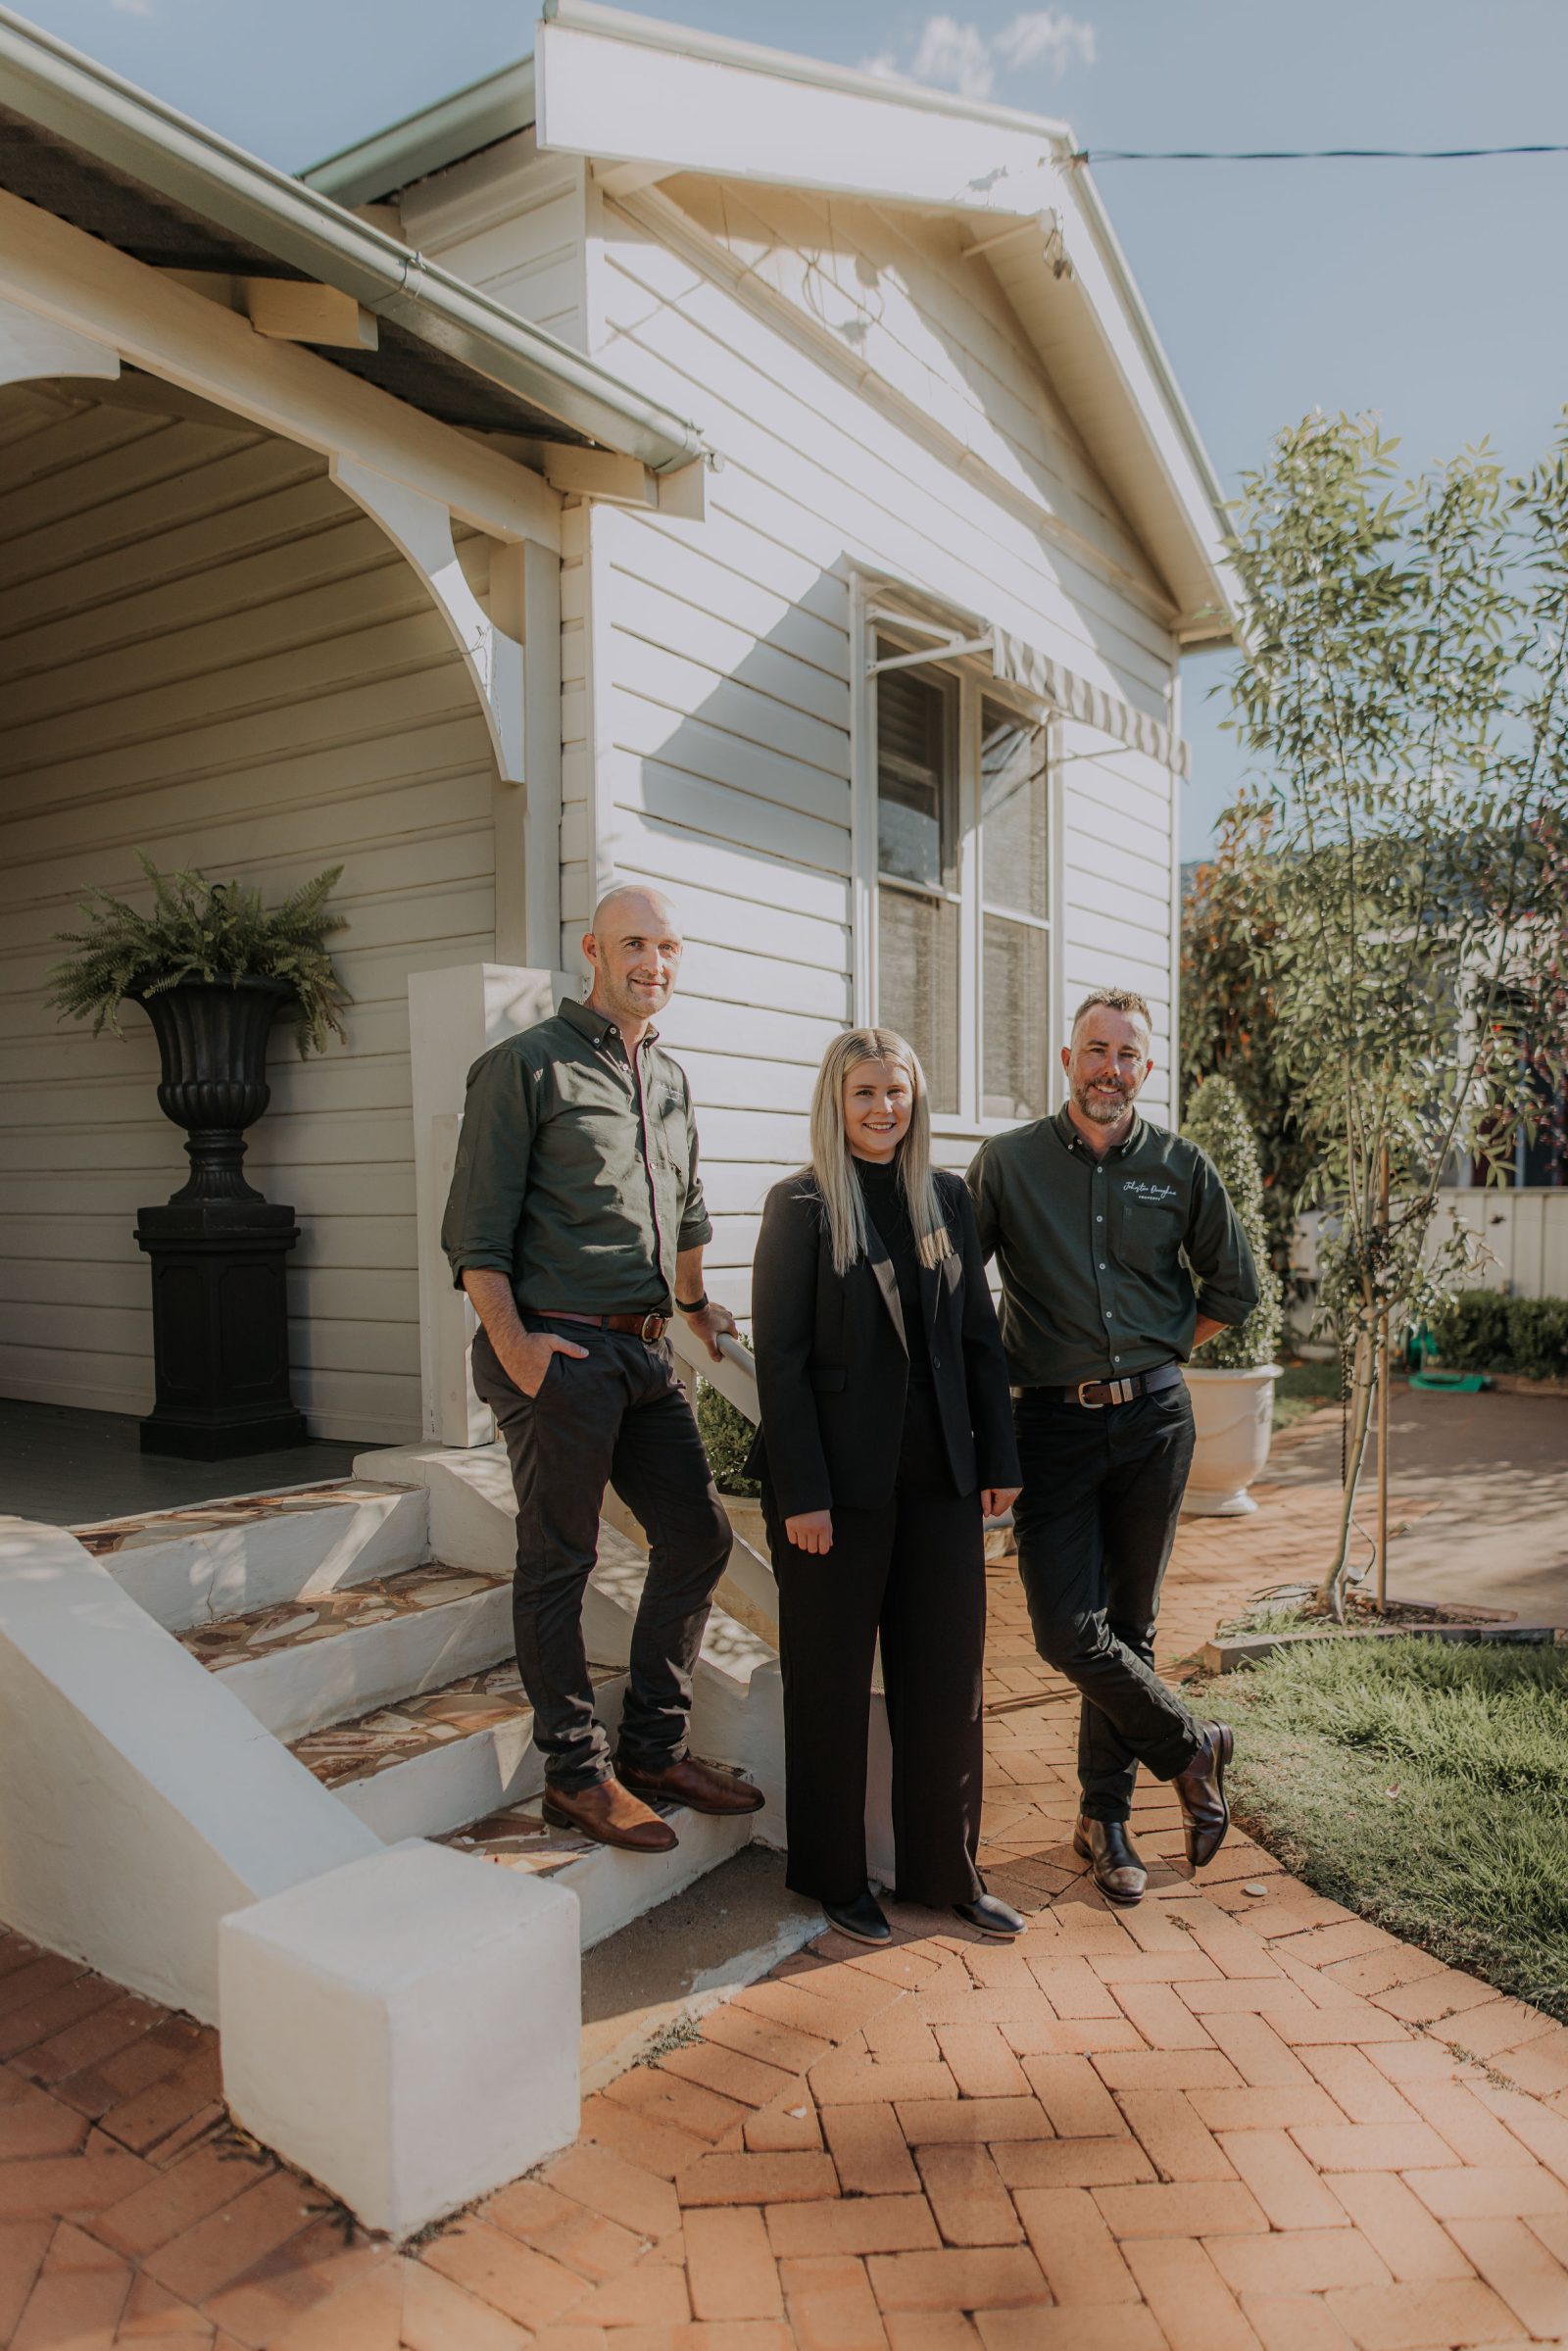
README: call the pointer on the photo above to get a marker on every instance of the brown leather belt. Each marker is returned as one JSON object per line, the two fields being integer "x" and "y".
{"x": 649, "y": 1327}
{"x": 1096, "y": 1395}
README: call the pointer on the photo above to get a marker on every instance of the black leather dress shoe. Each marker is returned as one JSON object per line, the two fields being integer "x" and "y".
{"x": 1113, "y": 1859}
{"x": 993, "y": 1915}
{"x": 862, "y": 1920}
{"x": 1201, "y": 1793}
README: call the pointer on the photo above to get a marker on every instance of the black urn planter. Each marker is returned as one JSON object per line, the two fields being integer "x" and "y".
{"x": 217, "y": 1246}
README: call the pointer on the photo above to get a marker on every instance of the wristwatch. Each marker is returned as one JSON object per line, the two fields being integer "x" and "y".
{"x": 694, "y": 1305}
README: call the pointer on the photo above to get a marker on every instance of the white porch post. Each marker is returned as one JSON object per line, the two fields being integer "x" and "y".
{"x": 453, "y": 1016}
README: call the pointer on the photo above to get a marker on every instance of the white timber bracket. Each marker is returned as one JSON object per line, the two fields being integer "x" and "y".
{"x": 610, "y": 480}
{"x": 33, "y": 345}
{"x": 420, "y": 530}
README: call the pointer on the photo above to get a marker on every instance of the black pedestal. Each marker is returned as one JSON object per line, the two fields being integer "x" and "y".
{"x": 220, "y": 1328}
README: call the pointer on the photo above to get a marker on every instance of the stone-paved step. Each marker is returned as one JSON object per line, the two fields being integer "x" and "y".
{"x": 429, "y": 1763}
{"x": 613, "y": 1887}
{"x": 212, "y": 1560}
{"x": 312, "y": 1662}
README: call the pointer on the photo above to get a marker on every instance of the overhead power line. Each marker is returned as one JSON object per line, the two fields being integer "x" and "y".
{"x": 1302, "y": 155}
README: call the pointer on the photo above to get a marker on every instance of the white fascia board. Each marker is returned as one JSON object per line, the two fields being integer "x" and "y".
{"x": 1177, "y": 466}
{"x": 680, "y": 111}
{"x": 1120, "y": 295}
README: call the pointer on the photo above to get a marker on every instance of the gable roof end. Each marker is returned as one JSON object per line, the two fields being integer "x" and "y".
{"x": 644, "y": 100}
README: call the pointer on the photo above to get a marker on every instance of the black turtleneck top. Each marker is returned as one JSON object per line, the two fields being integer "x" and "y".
{"x": 888, "y": 1210}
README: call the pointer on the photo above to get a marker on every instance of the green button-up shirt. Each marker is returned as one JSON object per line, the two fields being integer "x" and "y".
{"x": 576, "y": 1171}
{"x": 1097, "y": 1257}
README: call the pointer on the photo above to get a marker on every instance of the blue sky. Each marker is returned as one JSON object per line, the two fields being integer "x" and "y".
{"x": 1428, "y": 292}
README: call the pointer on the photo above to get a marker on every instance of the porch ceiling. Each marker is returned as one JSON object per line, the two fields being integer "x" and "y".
{"x": 151, "y": 228}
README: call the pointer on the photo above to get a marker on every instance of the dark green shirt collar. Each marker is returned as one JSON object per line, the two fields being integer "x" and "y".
{"x": 599, "y": 1025}
{"x": 1069, "y": 1135}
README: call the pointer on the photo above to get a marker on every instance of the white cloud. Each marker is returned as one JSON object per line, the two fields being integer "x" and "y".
{"x": 955, "y": 57}
{"x": 960, "y": 57}
{"x": 1047, "y": 36}
{"x": 132, "y": 8}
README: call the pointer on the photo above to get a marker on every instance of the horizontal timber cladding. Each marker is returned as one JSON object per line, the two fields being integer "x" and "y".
{"x": 510, "y": 221}
{"x": 209, "y": 653}
{"x": 709, "y": 739}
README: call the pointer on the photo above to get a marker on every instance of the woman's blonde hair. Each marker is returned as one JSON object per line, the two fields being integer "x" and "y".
{"x": 833, "y": 1165}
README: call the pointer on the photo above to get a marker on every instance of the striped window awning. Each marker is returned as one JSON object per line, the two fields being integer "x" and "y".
{"x": 1015, "y": 661}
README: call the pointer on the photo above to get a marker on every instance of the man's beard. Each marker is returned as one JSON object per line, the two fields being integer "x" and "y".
{"x": 1103, "y": 1108}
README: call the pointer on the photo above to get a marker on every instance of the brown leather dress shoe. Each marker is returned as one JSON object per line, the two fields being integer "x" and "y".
{"x": 1115, "y": 1861}
{"x": 610, "y": 1815}
{"x": 1201, "y": 1793}
{"x": 700, "y": 1787}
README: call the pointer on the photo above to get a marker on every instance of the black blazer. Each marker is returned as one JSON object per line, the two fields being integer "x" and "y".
{"x": 832, "y": 1367}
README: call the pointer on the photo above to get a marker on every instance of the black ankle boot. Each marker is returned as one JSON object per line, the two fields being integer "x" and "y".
{"x": 1115, "y": 1861}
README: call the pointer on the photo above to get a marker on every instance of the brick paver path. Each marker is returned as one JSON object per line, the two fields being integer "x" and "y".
{"x": 1234, "y": 2117}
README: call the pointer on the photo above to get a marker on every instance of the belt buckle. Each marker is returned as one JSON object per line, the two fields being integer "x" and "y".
{"x": 653, "y": 1329}
{"x": 1084, "y": 1401}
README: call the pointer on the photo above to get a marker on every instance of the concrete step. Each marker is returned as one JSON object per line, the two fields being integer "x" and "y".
{"x": 421, "y": 1766}
{"x": 330, "y": 1659}
{"x": 613, "y": 1887}
{"x": 215, "y": 1560}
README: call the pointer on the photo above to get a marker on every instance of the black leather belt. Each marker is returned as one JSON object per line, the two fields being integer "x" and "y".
{"x": 648, "y": 1326}
{"x": 1096, "y": 1395}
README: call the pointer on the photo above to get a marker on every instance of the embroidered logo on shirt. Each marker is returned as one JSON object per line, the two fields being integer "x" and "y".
{"x": 1159, "y": 1195}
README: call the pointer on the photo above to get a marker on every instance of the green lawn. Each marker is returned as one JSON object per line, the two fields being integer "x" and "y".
{"x": 1302, "y": 1387}
{"x": 1422, "y": 1784}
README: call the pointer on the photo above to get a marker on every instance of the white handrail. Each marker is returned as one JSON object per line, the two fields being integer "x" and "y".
{"x": 735, "y": 1375}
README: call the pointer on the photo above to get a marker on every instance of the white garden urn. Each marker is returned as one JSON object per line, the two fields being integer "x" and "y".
{"x": 1233, "y": 1414}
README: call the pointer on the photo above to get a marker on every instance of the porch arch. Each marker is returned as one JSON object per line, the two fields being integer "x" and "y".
{"x": 209, "y": 651}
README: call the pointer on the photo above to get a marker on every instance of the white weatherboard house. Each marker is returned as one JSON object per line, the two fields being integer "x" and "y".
{"x": 668, "y": 458}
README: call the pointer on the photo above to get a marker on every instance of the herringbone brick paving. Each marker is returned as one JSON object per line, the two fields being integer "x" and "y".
{"x": 1234, "y": 2119}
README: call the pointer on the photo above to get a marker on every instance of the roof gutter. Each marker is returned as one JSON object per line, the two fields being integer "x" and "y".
{"x": 80, "y": 101}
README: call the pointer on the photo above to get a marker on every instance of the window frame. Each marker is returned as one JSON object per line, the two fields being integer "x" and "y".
{"x": 965, "y": 662}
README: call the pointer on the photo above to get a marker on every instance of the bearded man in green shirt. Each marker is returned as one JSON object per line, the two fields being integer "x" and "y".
{"x": 1100, "y": 1225}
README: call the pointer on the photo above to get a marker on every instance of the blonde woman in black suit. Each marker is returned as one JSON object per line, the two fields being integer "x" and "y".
{"x": 886, "y": 1438}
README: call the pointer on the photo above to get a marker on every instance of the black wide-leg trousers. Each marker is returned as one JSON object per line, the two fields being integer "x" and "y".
{"x": 913, "y": 1572}
{"x": 616, "y": 1417}
{"x": 1094, "y": 1521}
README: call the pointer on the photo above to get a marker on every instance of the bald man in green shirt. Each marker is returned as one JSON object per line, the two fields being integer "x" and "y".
{"x": 576, "y": 1225}
{"x": 1119, "y": 1253}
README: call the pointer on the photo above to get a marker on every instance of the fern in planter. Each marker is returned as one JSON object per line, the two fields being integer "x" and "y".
{"x": 204, "y": 931}
{"x": 1217, "y": 1122}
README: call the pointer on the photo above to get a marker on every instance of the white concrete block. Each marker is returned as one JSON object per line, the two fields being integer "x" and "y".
{"x": 406, "y": 2029}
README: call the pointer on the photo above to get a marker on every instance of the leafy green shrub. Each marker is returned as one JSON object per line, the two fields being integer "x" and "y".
{"x": 726, "y": 1436}
{"x": 1538, "y": 1337}
{"x": 1481, "y": 1330}
{"x": 202, "y": 930}
{"x": 1472, "y": 1331}
{"x": 1217, "y": 1122}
